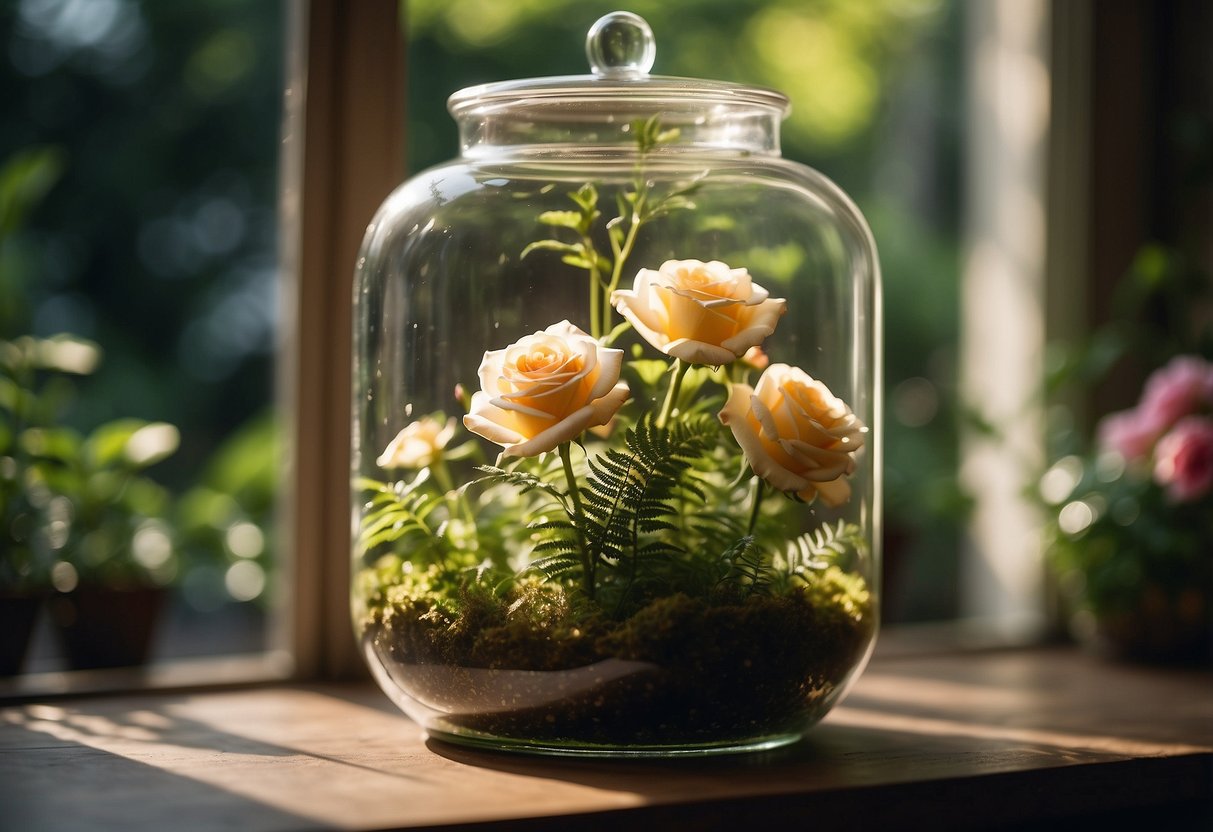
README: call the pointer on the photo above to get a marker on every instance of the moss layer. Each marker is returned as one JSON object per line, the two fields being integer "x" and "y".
{"x": 699, "y": 670}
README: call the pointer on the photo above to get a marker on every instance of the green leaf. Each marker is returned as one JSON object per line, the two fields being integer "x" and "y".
{"x": 564, "y": 219}
{"x": 650, "y": 370}
{"x": 368, "y": 484}
{"x": 10, "y": 394}
{"x": 58, "y": 444}
{"x": 106, "y": 445}
{"x": 645, "y": 131}
{"x": 586, "y": 198}
{"x": 24, "y": 180}
{"x": 248, "y": 463}
{"x": 551, "y": 245}
{"x": 577, "y": 260}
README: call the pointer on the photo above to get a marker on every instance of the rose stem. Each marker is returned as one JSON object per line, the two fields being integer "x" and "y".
{"x": 587, "y": 568}
{"x": 758, "y": 494}
{"x": 680, "y": 370}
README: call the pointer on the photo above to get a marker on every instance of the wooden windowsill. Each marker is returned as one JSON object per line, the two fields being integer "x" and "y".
{"x": 992, "y": 739}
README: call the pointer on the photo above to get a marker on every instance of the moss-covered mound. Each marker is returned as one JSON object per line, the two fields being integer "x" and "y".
{"x": 533, "y": 663}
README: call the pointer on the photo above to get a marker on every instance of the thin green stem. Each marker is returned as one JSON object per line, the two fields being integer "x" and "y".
{"x": 442, "y": 475}
{"x": 759, "y": 488}
{"x": 587, "y": 565}
{"x": 595, "y": 301}
{"x": 621, "y": 258}
{"x": 613, "y": 336}
{"x": 458, "y": 503}
{"x": 596, "y": 329}
{"x": 671, "y": 397}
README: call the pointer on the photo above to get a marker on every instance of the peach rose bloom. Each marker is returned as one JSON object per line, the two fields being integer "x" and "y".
{"x": 418, "y": 445}
{"x": 797, "y": 435}
{"x": 702, "y": 313}
{"x": 546, "y": 389}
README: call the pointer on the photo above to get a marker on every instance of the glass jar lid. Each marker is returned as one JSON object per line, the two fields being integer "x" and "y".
{"x": 621, "y": 49}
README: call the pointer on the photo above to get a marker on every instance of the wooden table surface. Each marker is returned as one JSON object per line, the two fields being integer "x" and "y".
{"x": 992, "y": 739}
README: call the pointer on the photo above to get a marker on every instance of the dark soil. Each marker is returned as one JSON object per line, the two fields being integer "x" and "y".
{"x": 698, "y": 670}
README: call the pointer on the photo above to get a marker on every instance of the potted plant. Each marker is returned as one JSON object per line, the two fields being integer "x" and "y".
{"x": 1131, "y": 525}
{"x": 95, "y": 528}
{"x": 33, "y": 390}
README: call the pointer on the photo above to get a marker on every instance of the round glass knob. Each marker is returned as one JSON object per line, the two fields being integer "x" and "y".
{"x": 620, "y": 44}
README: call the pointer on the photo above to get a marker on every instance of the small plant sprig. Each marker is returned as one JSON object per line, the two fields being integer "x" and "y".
{"x": 636, "y": 206}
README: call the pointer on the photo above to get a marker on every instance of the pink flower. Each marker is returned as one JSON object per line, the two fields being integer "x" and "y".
{"x": 1129, "y": 433}
{"x": 1180, "y": 388}
{"x": 1184, "y": 459}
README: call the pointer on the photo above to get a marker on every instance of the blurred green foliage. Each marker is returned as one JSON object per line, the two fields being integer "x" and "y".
{"x": 1115, "y": 538}
{"x": 138, "y": 199}
{"x": 157, "y": 126}
{"x": 229, "y": 512}
{"x": 74, "y": 508}
{"x": 875, "y": 90}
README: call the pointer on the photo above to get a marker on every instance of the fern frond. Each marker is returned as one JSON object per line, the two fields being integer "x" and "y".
{"x": 399, "y": 512}
{"x": 524, "y": 481}
{"x": 554, "y": 566}
{"x": 552, "y": 525}
{"x": 825, "y": 546}
{"x": 745, "y": 566}
{"x": 659, "y": 548}
{"x": 557, "y": 545}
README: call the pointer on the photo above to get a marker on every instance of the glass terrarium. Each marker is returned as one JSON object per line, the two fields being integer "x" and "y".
{"x": 616, "y": 446}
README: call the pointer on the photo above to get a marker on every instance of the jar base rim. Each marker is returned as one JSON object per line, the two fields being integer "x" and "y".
{"x": 547, "y": 748}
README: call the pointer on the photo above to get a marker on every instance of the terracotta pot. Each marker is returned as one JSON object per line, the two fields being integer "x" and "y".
{"x": 107, "y": 627}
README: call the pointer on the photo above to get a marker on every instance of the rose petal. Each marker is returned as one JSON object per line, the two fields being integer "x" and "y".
{"x": 703, "y": 313}
{"x": 835, "y": 492}
{"x": 697, "y": 352}
{"x": 734, "y": 414}
{"x": 795, "y": 433}
{"x": 610, "y": 365}
{"x": 481, "y": 421}
{"x": 597, "y": 412}
{"x": 819, "y": 465}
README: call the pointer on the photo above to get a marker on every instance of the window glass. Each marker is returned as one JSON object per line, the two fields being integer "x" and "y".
{"x": 138, "y": 286}
{"x": 876, "y": 91}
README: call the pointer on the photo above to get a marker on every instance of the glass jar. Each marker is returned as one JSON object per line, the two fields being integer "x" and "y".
{"x": 616, "y": 448}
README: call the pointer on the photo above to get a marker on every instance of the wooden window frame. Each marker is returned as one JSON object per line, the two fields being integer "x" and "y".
{"x": 343, "y": 153}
